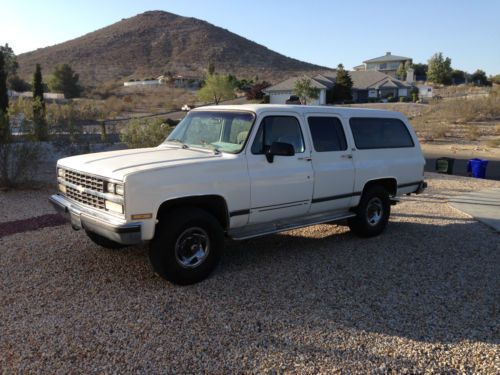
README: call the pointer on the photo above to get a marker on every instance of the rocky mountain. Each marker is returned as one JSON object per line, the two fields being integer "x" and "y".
{"x": 156, "y": 42}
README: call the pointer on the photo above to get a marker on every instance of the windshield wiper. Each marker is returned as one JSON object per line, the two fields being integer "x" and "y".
{"x": 176, "y": 140}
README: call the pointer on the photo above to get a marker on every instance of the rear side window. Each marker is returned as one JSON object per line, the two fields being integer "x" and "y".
{"x": 327, "y": 134}
{"x": 371, "y": 132}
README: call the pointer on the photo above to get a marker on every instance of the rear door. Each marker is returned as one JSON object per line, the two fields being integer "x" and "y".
{"x": 332, "y": 162}
{"x": 283, "y": 188}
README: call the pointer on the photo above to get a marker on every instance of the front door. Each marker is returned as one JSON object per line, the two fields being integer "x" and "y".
{"x": 282, "y": 188}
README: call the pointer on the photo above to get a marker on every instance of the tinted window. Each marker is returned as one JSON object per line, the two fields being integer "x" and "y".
{"x": 380, "y": 133}
{"x": 278, "y": 129}
{"x": 327, "y": 134}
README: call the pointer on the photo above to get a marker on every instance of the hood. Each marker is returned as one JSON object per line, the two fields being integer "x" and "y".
{"x": 118, "y": 164}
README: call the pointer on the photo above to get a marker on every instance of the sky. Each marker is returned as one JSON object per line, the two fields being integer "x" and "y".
{"x": 321, "y": 32}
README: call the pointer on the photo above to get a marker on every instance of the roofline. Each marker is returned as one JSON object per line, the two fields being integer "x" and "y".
{"x": 300, "y": 109}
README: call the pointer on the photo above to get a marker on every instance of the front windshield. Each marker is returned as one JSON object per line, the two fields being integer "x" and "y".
{"x": 216, "y": 130}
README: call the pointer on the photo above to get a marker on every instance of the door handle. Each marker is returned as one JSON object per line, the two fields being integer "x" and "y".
{"x": 305, "y": 158}
{"x": 346, "y": 156}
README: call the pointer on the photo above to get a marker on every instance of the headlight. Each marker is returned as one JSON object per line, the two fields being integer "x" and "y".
{"x": 62, "y": 188}
{"x": 114, "y": 188}
{"x": 112, "y": 206}
{"x": 61, "y": 172}
{"x": 119, "y": 189}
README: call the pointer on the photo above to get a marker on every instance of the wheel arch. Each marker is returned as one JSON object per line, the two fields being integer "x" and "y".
{"x": 214, "y": 204}
{"x": 389, "y": 183}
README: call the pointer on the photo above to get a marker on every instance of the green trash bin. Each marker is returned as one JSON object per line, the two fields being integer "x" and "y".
{"x": 445, "y": 165}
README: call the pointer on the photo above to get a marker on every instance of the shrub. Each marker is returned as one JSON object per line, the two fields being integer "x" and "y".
{"x": 18, "y": 160}
{"x": 144, "y": 133}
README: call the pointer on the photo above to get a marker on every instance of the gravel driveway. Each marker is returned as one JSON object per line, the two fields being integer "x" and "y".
{"x": 423, "y": 297}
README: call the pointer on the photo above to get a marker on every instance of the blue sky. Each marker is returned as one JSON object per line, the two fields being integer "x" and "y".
{"x": 322, "y": 32}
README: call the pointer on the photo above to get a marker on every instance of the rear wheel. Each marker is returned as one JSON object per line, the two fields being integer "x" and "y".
{"x": 103, "y": 241}
{"x": 187, "y": 246}
{"x": 372, "y": 213}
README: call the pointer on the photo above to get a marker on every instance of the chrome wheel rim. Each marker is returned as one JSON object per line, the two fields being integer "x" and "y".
{"x": 192, "y": 247}
{"x": 374, "y": 211}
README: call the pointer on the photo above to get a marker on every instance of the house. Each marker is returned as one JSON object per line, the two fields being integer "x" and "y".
{"x": 367, "y": 85}
{"x": 279, "y": 93}
{"x": 387, "y": 64}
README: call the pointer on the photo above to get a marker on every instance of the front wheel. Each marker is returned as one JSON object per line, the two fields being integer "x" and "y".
{"x": 187, "y": 246}
{"x": 372, "y": 213}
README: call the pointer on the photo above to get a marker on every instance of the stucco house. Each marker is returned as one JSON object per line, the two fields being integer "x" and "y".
{"x": 366, "y": 85}
{"x": 387, "y": 64}
{"x": 279, "y": 93}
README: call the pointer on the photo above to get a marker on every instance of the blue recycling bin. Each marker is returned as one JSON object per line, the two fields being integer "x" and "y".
{"x": 477, "y": 168}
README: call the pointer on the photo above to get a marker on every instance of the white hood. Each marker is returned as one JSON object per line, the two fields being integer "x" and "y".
{"x": 117, "y": 164}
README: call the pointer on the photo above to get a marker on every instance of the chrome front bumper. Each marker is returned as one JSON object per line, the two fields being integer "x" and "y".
{"x": 83, "y": 218}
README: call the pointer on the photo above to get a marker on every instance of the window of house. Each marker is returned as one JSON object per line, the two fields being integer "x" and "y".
{"x": 278, "y": 129}
{"x": 372, "y": 133}
{"x": 327, "y": 134}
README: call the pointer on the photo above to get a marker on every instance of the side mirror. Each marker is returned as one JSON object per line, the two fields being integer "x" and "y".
{"x": 280, "y": 149}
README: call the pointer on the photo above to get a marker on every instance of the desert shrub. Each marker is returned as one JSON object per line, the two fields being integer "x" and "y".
{"x": 19, "y": 162}
{"x": 473, "y": 133}
{"x": 19, "y": 159}
{"x": 144, "y": 133}
{"x": 493, "y": 142}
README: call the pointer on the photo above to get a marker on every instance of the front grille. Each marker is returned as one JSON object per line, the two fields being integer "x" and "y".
{"x": 85, "y": 181}
{"x": 85, "y": 198}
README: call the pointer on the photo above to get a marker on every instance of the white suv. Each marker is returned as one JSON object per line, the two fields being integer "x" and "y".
{"x": 242, "y": 172}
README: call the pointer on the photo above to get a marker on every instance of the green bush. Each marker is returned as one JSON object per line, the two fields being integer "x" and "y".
{"x": 140, "y": 133}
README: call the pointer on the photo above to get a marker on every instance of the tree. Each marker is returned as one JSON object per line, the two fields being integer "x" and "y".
{"x": 403, "y": 69}
{"x": 217, "y": 88}
{"x": 495, "y": 79}
{"x": 457, "y": 76}
{"x": 18, "y": 84}
{"x": 305, "y": 90}
{"x": 211, "y": 68}
{"x": 65, "y": 80}
{"x": 38, "y": 83}
{"x": 420, "y": 71}
{"x": 479, "y": 78}
{"x": 343, "y": 85}
{"x": 40, "y": 124}
{"x": 10, "y": 60}
{"x": 255, "y": 92}
{"x": 439, "y": 69}
{"x": 4, "y": 97}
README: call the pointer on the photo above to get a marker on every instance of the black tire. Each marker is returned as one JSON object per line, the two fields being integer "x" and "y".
{"x": 180, "y": 235}
{"x": 103, "y": 241}
{"x": 372, "y": 213}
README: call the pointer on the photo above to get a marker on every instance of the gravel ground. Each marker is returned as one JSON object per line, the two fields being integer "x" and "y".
{"x": 421, "y": 298}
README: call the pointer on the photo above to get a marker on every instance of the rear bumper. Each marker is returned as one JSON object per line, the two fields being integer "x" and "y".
{"x": 102, "y": 224}
{"x": 421, "y": 187}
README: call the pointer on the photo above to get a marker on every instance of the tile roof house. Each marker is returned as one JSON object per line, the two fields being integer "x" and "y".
{"x": 366, "y": 85}
{"x": 279, "y": 93}
{"x": 387, "y": 64}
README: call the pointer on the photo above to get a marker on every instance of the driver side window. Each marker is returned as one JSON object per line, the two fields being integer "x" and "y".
{"x": 284, "y": 129}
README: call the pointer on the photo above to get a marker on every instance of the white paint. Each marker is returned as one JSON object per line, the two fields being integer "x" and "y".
{"x": 245, "y": 181}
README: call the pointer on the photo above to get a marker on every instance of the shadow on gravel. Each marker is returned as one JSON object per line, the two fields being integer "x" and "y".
{"x": 432, "y": 283}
